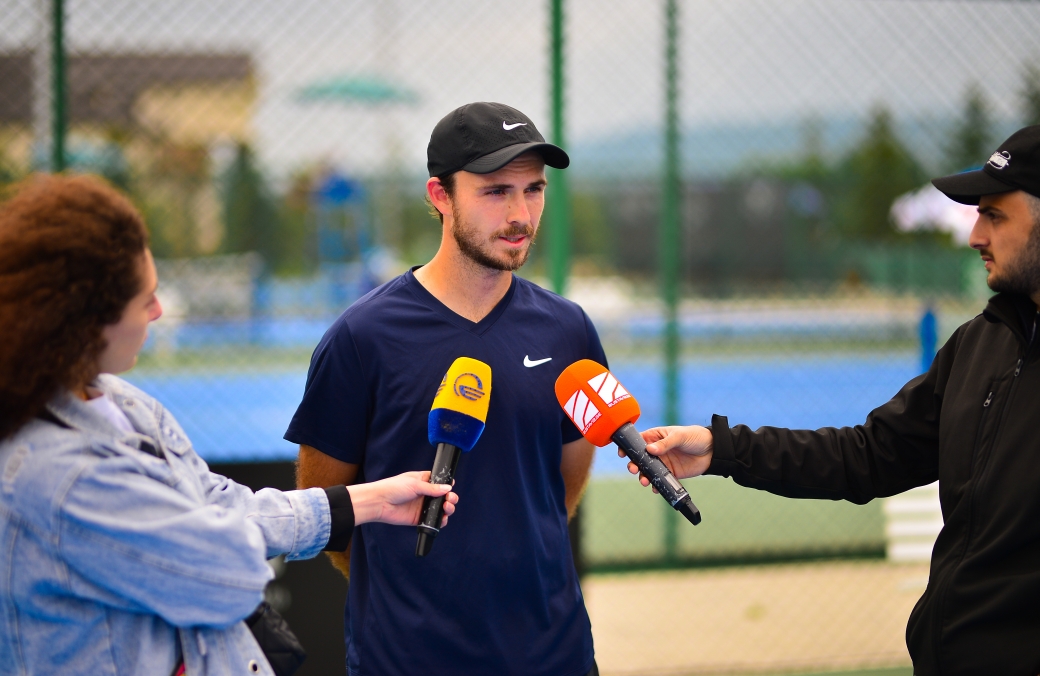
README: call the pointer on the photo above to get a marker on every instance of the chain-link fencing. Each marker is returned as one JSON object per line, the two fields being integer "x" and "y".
{"x": 277, "y": 150}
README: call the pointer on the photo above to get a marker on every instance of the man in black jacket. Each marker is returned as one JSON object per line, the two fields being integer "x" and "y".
{"x": 972, "y": 422}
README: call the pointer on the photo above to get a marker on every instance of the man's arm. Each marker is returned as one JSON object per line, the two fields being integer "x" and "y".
{"x": 314, "y": 468}
{"x": 574, "y": 466}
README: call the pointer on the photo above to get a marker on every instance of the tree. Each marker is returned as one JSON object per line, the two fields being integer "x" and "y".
{"x": 877, "y": 171}
{"x": 249, "y": 213}
{"x": 972, "y": 137}
{"x": 167, "y": 189}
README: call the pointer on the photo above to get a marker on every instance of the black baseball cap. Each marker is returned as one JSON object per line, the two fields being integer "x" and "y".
{"x": 1015, "y": 166}
{"x": 484, "y": 137}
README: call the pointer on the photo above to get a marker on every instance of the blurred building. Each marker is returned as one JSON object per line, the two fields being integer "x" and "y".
{"x": 154, "y": 120}
{"x": 183, "y": 98}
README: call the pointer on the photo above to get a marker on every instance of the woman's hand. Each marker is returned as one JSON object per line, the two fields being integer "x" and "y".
{"x": 398, "y": 500}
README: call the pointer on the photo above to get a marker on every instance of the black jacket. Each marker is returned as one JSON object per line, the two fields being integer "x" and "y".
{"x": 973, "y": 423}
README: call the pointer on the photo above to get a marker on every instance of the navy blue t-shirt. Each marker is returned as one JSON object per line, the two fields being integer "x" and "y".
{"x": 498, "y": 593}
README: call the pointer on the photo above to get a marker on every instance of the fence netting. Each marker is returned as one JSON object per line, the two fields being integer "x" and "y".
{"x": 277, "y": 151}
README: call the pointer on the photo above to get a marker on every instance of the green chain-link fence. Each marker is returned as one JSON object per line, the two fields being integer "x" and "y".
{"x": 277, "y": 150}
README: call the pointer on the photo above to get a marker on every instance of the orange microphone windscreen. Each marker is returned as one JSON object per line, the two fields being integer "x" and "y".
{"x": 595, "y": 401}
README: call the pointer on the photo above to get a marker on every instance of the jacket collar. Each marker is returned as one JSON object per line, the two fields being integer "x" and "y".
{"x": 1012, "y": 310}
{"x": 73, "y": 412}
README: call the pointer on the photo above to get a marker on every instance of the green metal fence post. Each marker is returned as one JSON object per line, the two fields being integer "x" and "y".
{"x": 58, "y": 84}
{"x": 669, "y": 243}
{"x": 558, "y": 195}
{"x": 558, "y": 209}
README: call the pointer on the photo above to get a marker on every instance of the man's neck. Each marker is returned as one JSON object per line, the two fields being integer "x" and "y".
{"x": 465, "y": 287}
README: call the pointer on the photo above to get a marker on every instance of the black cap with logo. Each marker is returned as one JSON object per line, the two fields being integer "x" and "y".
{"x": 1015, "y": 166}
{"x": 484, "y": 137}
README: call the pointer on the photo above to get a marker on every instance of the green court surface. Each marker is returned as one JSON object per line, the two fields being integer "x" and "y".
{"x": 626, "y": 525}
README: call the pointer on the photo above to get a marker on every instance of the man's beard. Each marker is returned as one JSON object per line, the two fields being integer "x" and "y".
{"x": 1022, "y": 273}
{"x": 481, "y": 252}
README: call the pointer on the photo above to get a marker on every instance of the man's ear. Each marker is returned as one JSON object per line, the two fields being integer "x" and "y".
{"x": 438, "y": 196}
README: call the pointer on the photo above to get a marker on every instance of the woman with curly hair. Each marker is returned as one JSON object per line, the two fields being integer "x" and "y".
{"x": 120, "y": 552}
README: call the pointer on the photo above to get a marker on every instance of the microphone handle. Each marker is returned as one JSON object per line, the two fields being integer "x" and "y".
{"x": 631, "y": 442}
{"x": 443, "y": 472}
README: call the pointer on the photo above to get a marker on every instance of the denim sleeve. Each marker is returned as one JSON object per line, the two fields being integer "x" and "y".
{"x": 164, "y": 552}
{"x": 294, "y": 523}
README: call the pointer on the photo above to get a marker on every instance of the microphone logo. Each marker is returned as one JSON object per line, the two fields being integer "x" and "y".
{"x": 581, "y": 410}
{"x": 468, "y": 386}
{"x": 609, "y": 389}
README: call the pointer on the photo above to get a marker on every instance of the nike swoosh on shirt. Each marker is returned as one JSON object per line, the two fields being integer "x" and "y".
{"x": 508, "y": 127}
{"x": 528, "y": 363}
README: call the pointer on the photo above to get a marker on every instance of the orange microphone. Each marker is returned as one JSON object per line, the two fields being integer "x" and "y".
{"x": 604, "y": 411}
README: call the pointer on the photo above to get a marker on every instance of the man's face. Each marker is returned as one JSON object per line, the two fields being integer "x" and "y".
{"x": 495, "y": 216}
{"x": 1007, "y": 236}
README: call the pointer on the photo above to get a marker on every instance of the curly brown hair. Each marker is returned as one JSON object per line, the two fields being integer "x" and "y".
{"x": 70, "y": 248}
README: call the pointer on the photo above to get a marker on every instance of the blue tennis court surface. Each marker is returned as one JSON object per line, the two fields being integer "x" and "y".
{"x": 240, "y": 417}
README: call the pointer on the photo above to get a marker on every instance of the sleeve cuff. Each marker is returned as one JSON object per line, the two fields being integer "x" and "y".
{"x": 341, "y": 510}
{"x": 723, "y": 460}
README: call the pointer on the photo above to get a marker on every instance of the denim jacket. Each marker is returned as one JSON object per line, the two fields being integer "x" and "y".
{"x": 121, "y": 553}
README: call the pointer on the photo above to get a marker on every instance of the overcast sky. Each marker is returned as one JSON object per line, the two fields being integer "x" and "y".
{"x": 742, "y": 61}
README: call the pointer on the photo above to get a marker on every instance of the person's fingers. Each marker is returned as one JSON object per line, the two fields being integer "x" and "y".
{"x": 453, "y": 498}
{"x": 433, "y": 490}
{"x": 657, "y": 448}
{"x": 449, "y": 508}
{"x": 654, "y": 434}
{"x": 632, "y": 468}
{"x": 666, "y": 438}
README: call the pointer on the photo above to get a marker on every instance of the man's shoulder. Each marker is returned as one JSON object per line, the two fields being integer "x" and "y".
{"x": 368, "y": 313}
{"x": 379, "y": 300}
{"x": 533, "y": 296}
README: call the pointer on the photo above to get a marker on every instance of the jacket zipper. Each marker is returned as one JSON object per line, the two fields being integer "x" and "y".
{"x": 975, "y": 451}
{"x": 978, "y": 480}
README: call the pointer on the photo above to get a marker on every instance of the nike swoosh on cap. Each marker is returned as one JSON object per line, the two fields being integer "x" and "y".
{"x": 528, "y": 363}
{"x": 507, "y": 127}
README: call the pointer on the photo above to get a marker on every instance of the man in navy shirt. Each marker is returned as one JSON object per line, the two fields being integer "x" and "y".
{"x": 498, "y": 594}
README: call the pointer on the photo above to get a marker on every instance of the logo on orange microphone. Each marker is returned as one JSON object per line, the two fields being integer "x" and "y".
{"x": 468, "y": 386}
{"x": 609, "y": 389}
{"x": 582, "y": 411}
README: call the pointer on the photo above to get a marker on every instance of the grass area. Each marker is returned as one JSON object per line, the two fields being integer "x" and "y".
{"x": 250, "y": 358}
{"x": 765, "y": 346}
{"x": 232, "y": 358}
{"x": 625, "y": 524}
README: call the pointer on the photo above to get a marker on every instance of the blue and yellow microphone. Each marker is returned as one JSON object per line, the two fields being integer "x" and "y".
{"x": 456, "y": 422}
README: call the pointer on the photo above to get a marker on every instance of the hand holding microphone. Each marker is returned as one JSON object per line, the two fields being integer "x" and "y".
{"x": 398, "y": 500}
{"x": 686, "y": 450}
{"x": 604, "y": 411}
{"x": 455, "y": 424}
